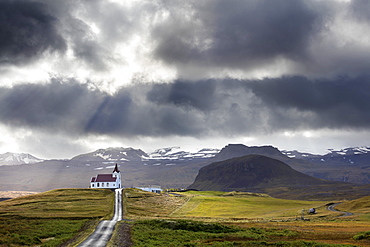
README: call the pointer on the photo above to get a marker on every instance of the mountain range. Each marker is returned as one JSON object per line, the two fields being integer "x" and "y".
{"x": 171, "y": 167}
{"x": 352, "y": 155}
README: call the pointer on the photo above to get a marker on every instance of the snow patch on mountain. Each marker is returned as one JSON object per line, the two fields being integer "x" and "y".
{"x": 176, "y": 153}
{"x": 18, "y": 159}
{"x": 113, "y": 155}
{"x": 350, "y": 151}
{"x": 298, "y": 155}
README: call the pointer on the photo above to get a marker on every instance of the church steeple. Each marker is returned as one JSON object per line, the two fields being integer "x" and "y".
{"x": 117, "y": 174}
{"x": 116, "y": 169}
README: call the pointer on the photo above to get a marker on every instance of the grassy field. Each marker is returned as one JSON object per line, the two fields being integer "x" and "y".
{"x": 53, "y": 217}
{"x": 360, "y": 206}
{"x": 241, "y": 219}
{"x": 242, "y": 205}
{"x": 64, "y": 217}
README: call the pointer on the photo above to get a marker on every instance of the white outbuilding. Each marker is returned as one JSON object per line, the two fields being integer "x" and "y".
{"x": 152, "y": 188}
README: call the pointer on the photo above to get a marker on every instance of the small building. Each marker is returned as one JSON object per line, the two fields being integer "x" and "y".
{"x": 152, "y": 188}
{"x": 107, "y": 181}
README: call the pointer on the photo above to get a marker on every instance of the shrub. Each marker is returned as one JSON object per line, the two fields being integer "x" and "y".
{"x": 362, "y": 235}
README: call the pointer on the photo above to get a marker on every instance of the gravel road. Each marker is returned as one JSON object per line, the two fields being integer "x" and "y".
{"x": 331, "y": 207}
{"x": 104, "y": 230}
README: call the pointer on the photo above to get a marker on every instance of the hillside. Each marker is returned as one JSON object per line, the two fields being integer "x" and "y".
{"x": 257, "y": 173}
{"x": 346, "y": 165}
{"x": 251, "y": 172}
{"x": 54, "y": 217}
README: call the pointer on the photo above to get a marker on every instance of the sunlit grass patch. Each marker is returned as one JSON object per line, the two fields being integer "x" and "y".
{"x": 203, "y": 193}
{"x": 64, "y": 203}
{"x": 260, "y": 220}
{"x": 359, "y": 206}
{"x": 139, "y": 203}
{"x": 247, "y": 206}
{"x": 51, "y": 218}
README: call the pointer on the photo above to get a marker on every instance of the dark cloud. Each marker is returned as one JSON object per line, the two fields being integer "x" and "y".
{"x": 199, "y": 95}
{"x": 212, "y": 107}
{"x": 360, "y": 9}
{"x": 112, "y": 115}
{"x": 57, "y": 106}
{"x": 27, "y": 30}
{"x": 237, "y": 34}
{"x": 343, "y": 102}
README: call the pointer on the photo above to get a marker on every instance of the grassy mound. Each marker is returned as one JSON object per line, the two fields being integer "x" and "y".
{"x": 53, "y": 217}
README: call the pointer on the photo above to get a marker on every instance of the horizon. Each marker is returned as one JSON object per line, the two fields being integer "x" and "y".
{"x": 190, "y": 150}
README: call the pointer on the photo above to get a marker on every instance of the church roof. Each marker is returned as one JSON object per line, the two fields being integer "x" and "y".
{"x": 104, "y": 178}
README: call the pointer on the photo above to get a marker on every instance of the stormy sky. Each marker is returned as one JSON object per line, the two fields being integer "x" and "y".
{"x": 81, "y": 75}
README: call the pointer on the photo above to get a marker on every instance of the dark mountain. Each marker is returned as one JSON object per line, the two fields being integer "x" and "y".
{"x": 239, "y": 150}
{"x": 251, "y": 172}
{"x": 257, "y": 173}
{"x": 347, "y": 165}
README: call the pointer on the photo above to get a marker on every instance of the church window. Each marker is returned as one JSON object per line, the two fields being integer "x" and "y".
{"x": 97, "y": 185}
{"x": 107, "y": 184}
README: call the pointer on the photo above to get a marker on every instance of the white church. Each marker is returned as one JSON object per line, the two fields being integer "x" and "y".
{"x": 107, "y": 181}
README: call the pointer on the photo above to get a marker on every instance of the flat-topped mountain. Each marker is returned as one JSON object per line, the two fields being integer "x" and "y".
{"x": 258, "y": 173}
{"x": 239, "y": 150}
{"x": 251, "y": 172}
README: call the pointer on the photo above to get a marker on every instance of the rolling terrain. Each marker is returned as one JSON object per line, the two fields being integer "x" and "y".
{"x": 213, "y": 218}
{"x": 67, "y": 216}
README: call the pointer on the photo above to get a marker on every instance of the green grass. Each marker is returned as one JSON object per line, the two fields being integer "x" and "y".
{"x": 21, "y": 231}
{"x": 139, "y": 204}
{"x": 203, "y": 193}
{"x": 361, "y": 205}
{"x": 192, "y": 233}
{"x": 186, "y": 223}
{"x": 53, "y": 217}
{"x": 362, "y": 235}
{"x": 242, "y": 205}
